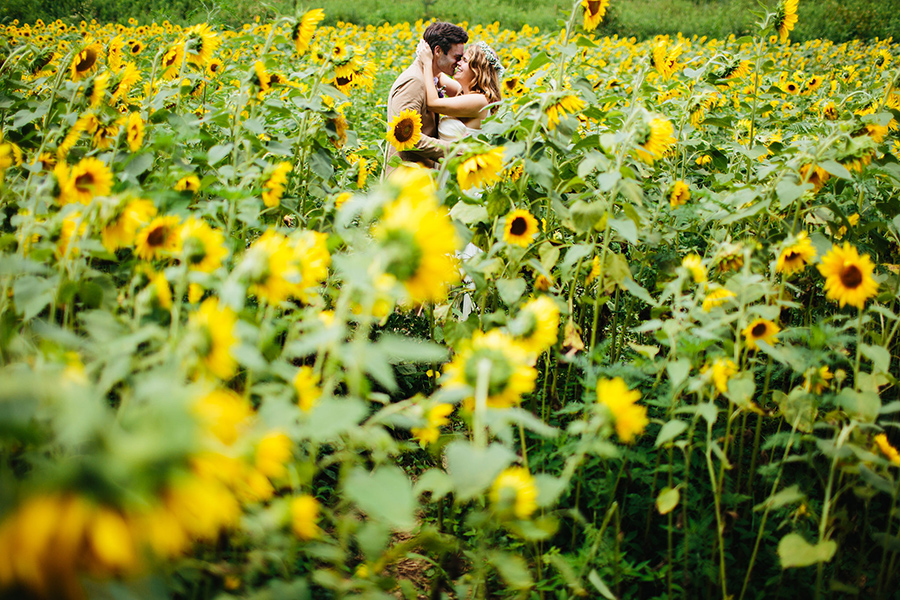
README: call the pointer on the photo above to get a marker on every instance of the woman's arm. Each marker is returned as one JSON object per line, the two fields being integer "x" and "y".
{"x": 450, "y": 85}
{"x": 466, "y": 106}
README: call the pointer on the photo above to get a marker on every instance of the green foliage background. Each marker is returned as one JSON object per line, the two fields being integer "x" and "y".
{"x": 838, "y": 20}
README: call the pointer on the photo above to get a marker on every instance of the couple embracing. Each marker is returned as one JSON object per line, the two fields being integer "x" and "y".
{"x": 450, "y": 86}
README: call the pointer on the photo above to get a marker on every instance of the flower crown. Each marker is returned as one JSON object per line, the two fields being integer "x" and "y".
{"x": 492, "y": 57}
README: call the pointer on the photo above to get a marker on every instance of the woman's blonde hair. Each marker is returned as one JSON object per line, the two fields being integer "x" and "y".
{"x": 485, "y": 73}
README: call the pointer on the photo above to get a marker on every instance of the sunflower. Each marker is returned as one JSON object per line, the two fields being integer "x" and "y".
{"x": 278, "y": 268}
{"x": 785, "y": 18}
{"x": 88, "y": 179}
{"x": 665, "y": 61}
{"x": 222, "y": 414}
{"x": 85, "y": 62}
{"x": 716, "y": 297}
{"x": 560, "y": 108}
{"x": 679, "y": 194}
{"x": 719, "y": 372}
{"x": 496, "y": 361}
{"x": 274, "y": 186}
{"x": 816, "y": 380}
{"x": 171, "y": 61}
{"x": 515, "y": 488}
{"x": 310, "y": 255}
{"x": 481, "y": 169}
{"x": 128, "y": 76}
{"x": 305, "y": 515}
{"x": 520, "y": 228}
{"x": 114, "y": 53}
{"x": 693, "y": 264}
{"x": 134, "y": 46}
{"x": 404, "y": 130}
{"x": 202, "y": 43}
{"x": 261, "y": 77}
{"x": 791, "y": 88}
{"x": 417, "y": 239}
{"x": 796, "y": 256}
{"x": 848, "y": 276}
{"x": 214, "y": 67}
{"x": 761, "y": 329}
{"x": 214, "y": 324}
{"x": 120, "y": 231}
{"x": 159, "y": 238}
{"x": 536, "y": 327}
{"x": 305, "y": 28}
{"x": 436, "y": 417}
{"x": 306, "y": 385}
{"x": 594, "y": 10}
{"x": 105, "y": 136}
{"x": 889, "y": 451}
{"x": 135, "y": 131}
{"x": 96, "y": 90}
{"x": 188, "y": 183}
{"x": 630, "y": 418}
{"x": 203, "y": 247}
{"x": 655, "y": 140}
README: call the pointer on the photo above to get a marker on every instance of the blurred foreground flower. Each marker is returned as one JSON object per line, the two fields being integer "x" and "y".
{"x": 630, "y": 418}
{"x": 515, "y": 488}
{"x": 505, "y": 365}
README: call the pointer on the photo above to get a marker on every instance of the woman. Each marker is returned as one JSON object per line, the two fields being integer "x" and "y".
{"x": 464, "y": 98}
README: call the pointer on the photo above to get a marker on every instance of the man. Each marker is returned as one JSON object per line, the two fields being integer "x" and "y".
{"x": 447, "y": 42}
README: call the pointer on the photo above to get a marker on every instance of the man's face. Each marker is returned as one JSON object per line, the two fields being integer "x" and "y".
{"x": 447, "y": 62}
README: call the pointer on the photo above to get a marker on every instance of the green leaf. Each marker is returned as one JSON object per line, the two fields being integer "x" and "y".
{"x": 474, "y": 469}
{"x": 537, "y": 61}
{"x": 585, "y": 42}
{"x": 881, "y": 358}
{"x": 783, "y": 498}
{"x": 385, "y": 494}
{"x": 586, "y": 215}
{"x": 670, "y": 431}
{"x": 678, "y": 371}
{"x": 511, "y": 290}
{"x": 469, "y": 213}
{"x": 218, "y": 152}
{"x": 798, "y": 409}
{"x": 400, "y": 348}
{"x": 549, "y": 489}
{"x": 626, "y": 229}
{"x": 864, "y": 406}
{"x": 835, "y": 168}
{"x": 32, "y": 295}
{"x": 332, "y": 417}
{"x": 549, "y": 255}
{"x": 741, "y": 389}
{"x": 595, "y": 580}
{"x": 435, "y": 481}
{"x": 512, "y": 568}
{"x": 794, "y": 551}
{"x": 667, "y": 500}
{"x": 788, "y": 192}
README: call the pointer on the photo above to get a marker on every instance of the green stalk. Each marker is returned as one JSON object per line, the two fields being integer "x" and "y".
{"x": 826, "y": 504}
{"x": 720, "y": 526}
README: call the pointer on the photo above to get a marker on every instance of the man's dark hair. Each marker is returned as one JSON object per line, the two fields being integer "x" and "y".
{"x": 444, "y": 35}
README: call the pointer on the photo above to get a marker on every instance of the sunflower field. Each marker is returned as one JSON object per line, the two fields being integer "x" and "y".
{"x": 238, "y": 360}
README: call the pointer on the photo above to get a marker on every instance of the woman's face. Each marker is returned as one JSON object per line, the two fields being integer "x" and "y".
{"x": 463, "y": 71}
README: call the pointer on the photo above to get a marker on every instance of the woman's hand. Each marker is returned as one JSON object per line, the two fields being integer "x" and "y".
{"x": 423, "y": 51}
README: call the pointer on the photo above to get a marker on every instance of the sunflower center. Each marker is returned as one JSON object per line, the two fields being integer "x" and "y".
{"x": 792, "y": 256}
{"x": 500, "y": 374}
{"x": 758, "y": 330}
{"x": 404, "y": 130}
{"x": 593, "y": 7}
{"x": 345, "y": 81}
{"x": 404, "y": 254}
{"x": 851, "y": 277}
{"x": 85, "y": 182}
{"x": 86, "y": 60}
{"x": 194, "y": 251}
{"x": 519, "y": 226}
{"x": 157, "y": 236}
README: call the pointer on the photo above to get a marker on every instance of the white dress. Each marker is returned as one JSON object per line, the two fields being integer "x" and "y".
{"x": 453, "y": 130}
